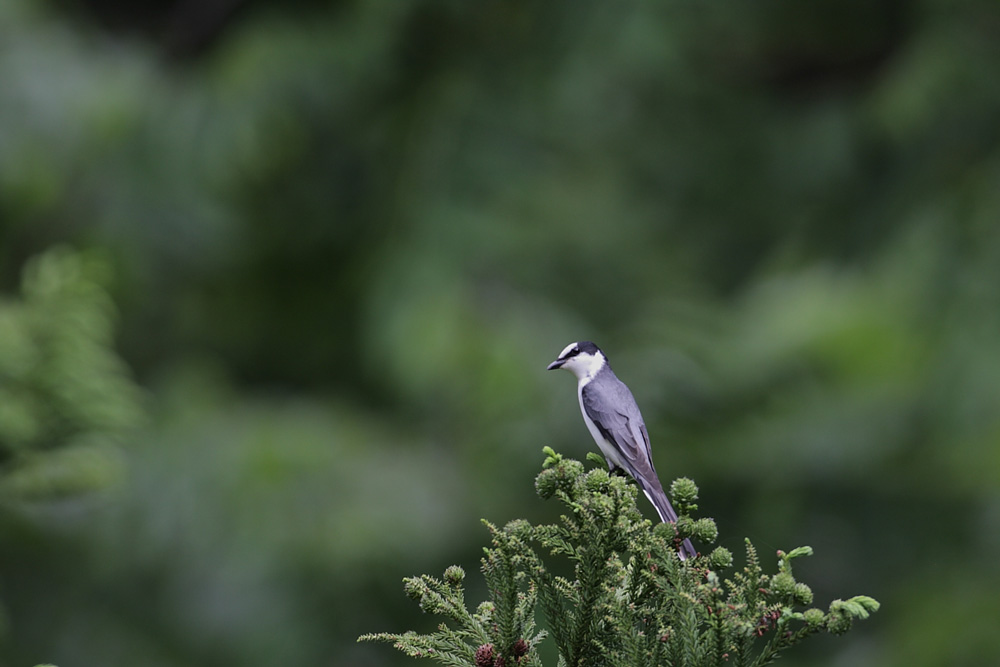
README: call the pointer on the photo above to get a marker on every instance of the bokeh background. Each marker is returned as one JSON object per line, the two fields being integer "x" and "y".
{"x": 280, "y": 281}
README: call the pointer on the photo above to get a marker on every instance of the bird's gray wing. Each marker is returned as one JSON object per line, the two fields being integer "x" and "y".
{"x": 615, "y": 413}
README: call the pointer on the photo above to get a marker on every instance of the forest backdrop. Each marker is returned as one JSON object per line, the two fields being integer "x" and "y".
{"x": 280, "y": 281}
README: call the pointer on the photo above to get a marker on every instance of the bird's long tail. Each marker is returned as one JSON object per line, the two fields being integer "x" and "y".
{"x": 668, "y": 515}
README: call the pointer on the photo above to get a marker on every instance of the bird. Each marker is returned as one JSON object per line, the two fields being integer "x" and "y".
{"x": 613, "y": 419}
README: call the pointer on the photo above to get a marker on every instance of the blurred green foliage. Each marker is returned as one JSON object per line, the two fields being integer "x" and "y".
{"x": 346, "y": 238}
{"x": 66, "y": 399}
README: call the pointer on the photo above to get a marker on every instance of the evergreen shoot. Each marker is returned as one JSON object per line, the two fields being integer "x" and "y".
{"x": 630, "y": 602}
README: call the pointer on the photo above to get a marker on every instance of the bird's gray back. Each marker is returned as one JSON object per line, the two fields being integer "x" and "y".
{"x": 607, "y": 394}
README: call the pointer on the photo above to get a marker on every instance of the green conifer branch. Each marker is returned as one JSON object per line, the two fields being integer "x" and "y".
{"x": 630, "y": 602}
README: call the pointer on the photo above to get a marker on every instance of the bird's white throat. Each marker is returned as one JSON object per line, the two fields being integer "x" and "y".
{"x": 585, "y": 366}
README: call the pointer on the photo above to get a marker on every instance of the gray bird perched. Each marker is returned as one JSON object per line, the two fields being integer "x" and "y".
{"x": 613, "y": 418}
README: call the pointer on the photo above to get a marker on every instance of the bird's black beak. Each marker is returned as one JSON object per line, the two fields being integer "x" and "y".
{"x": 555, "y": 364}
